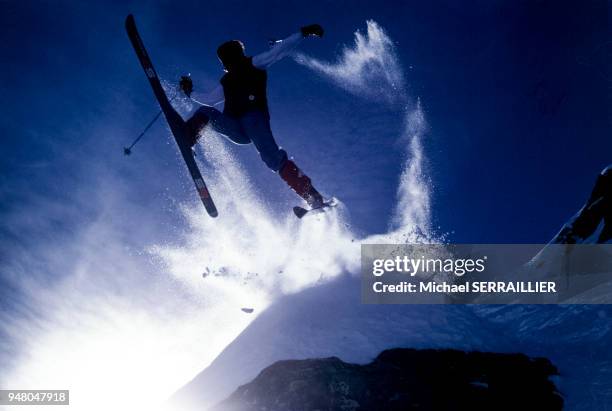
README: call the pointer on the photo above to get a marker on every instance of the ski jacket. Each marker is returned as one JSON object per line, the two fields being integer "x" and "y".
{"x": 258, "y": 63}
{"x": 244, "y": 89}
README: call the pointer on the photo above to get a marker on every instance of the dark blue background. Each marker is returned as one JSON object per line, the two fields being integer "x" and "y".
{"x": 515, "y": 95}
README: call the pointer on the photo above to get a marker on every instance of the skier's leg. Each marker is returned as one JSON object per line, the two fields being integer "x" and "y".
{"x": 301, "y": 184}
{"x": 256, "y": 125}
{"x": 223, "y": 124}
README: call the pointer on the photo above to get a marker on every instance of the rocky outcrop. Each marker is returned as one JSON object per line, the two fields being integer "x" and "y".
{"x": 403, "y": 379}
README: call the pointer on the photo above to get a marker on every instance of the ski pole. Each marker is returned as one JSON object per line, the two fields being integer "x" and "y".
{"x": 128, "y": 150}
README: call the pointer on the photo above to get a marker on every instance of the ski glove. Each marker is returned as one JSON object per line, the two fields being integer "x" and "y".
{"x": 186, "y": 85}
{"x": 312, "y": 30}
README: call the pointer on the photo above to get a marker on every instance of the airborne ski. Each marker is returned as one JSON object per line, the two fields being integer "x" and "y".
{"x": 301, "y": 211}
{"x": 175, "y": 121}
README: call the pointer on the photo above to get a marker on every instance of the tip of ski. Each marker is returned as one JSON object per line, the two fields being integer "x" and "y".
{"x": 301, "y": 211}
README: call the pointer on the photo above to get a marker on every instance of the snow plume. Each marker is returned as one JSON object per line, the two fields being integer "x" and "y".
{"x": 249, "y": 251}
{"x": 413, "y": 203}
{"x": 251, "y": 246}
{"x": 369, "y": 68}
{"x": 141, "y": 323}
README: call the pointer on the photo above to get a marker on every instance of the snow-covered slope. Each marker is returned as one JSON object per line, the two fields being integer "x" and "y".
{"x": 329, "y": 320}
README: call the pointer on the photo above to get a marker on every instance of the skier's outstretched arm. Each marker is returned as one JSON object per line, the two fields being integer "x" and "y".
{"x": 212, "y": 98}
{"x": 284, "y": 47}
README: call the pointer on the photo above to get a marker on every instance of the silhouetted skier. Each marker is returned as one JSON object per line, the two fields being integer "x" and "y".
{"x": 595, "y": 213}
{"x": 245, "y": 118}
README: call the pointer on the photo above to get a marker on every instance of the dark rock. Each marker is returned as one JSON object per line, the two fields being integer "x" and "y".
{"x": 403, "y": 379}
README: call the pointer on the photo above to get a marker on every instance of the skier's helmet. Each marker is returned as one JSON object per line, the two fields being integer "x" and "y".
{"x": 231, "y": 53}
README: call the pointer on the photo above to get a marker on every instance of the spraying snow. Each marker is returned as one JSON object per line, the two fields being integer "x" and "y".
{"x": 117, "y": 320}
{"x": 370, "y": 68}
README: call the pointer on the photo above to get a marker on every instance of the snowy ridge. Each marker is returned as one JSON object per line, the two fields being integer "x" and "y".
{"x": 329, "y": 320}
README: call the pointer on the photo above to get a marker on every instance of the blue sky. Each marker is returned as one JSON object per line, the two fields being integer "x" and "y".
{"x": 515, "y": 99}
{"x": 516, "y": 127}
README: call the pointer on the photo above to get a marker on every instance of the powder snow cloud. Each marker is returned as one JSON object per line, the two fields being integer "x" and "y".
{"x": 369, "y": 67}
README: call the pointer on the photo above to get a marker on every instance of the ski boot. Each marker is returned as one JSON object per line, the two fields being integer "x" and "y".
{"x": 301, "y": 184}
